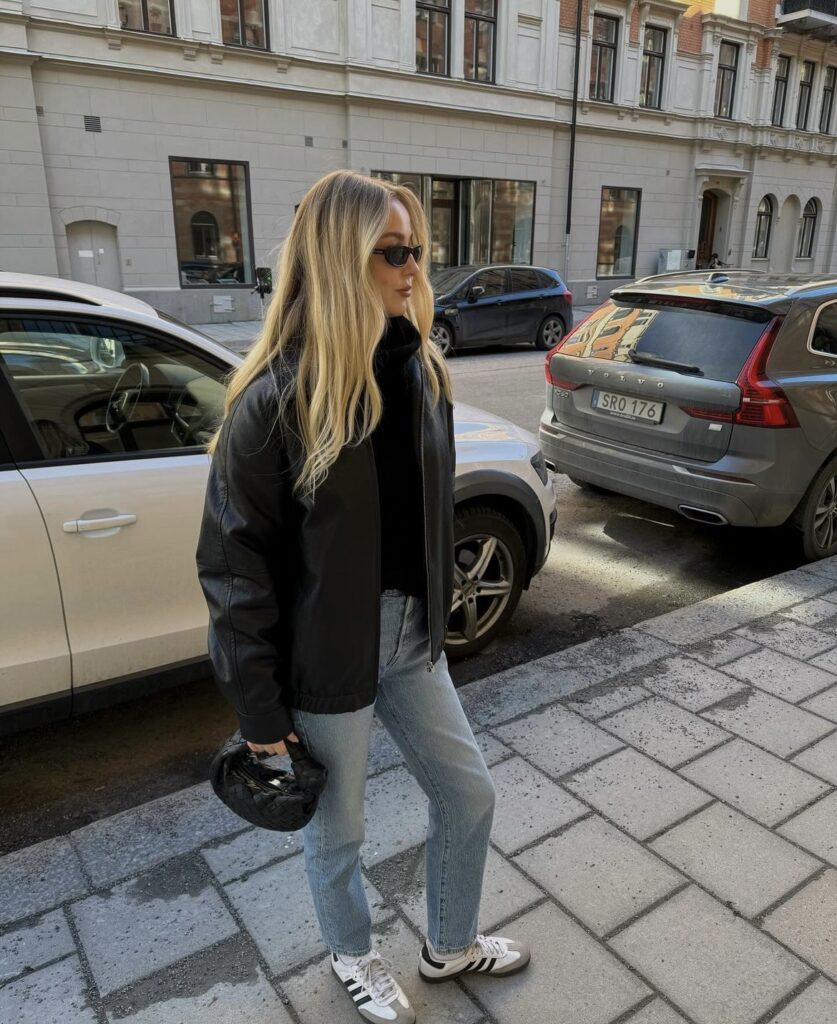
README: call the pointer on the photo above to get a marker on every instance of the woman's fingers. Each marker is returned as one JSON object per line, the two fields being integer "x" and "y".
{"x": 272, "y": 748}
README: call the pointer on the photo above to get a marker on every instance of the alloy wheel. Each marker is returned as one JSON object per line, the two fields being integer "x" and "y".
{"x": 552, "y": 332}
{"x": 482, "y": 587}
{"x": 825, "y": 515}
{"x": 440, "y": 334}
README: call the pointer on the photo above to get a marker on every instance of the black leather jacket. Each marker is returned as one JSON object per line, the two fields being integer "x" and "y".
{"x": 292, "y": 585}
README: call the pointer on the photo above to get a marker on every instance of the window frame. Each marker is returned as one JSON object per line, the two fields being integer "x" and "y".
{"x": 760, "y": 217}
{"x": 830, "y": 72}
{"x": 620, "y": 277}
{"x": 815, "y": 319}
{"x": 249, "y": 212}
{"x": 492, "y": 21}
{"x": 143, "y": 5}
{"x": 807, "y": 231}
{"x": 647, "y": 57}
{"x": 785, "y": 80}
{"x": 806, "y": 91}
{"x": 248, "y": 46}
{"x": 596, "y": 46}
{"x": 15, "y": 424}
{"x": 727, "y": 72}
{"x": 433, "y": 7}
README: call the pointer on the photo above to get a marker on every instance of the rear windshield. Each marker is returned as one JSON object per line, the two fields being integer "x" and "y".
{"x": 717, "y": 339}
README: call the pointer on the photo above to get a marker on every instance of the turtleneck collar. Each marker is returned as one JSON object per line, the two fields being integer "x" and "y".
{"x": 399, "y": 341}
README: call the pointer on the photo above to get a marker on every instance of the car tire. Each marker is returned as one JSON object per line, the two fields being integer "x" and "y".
{"x": 488, "y": 550}
{"x": 816, "y": 515}
{"x": 550, "y": 332}
{"x": 585, "y": 485}
{"x": 441, "y": 334}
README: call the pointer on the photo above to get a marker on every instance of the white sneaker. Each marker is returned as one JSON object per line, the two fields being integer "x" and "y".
{"x": 489, "y": 954}
{"x": 377, "y": 995}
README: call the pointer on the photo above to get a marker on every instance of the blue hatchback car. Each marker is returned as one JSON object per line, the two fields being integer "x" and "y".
{"x": 499, "y": 304}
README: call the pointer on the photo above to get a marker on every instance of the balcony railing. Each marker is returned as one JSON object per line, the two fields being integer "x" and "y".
{"x": 818, "y": 17}
{"x": 818, "y": 6}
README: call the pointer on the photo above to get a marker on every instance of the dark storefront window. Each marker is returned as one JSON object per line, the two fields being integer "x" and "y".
{"x": 212, "y": 223}
{"x": 480, "y": 33}
{"x": 803, "y": 107}
{"x": 433, "y": 37}
{"x": 653, "y": 67}
{"x": 618, "y": 227}
{"x": 764, "y": 225}
{"x": 725, "y": 84}
{"x": 827, "y": 100}
{"x": 147, "y": 16}
{"x": 780, "y": 91}
{"x": 603, "y": 63}
{"x": 244, "y": 23}
{"x": 474, "y": 220}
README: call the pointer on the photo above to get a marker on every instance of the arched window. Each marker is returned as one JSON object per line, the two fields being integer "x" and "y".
{"x": 204, "y": 236}
{"x": 764, "y": 223}
{"x": 807, "y": 228}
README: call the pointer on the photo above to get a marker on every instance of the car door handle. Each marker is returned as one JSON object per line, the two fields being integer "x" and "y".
{"x": 108, "y": 523}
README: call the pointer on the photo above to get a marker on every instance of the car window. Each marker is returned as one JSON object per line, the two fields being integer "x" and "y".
{"x": 97, "y": 389}
{"x": 545, "y": 281}
{"x": 713, "y": 337}
{"x": 524, "y": 279}
{"x": 494, "y": 281}
{"x": 825, "y": 331}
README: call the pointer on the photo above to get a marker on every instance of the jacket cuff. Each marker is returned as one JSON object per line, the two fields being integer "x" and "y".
{"x": 270, "y": 727}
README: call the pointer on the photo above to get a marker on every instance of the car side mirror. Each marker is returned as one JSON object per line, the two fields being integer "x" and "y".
{"x": 476, "y": 293}
{"x": 107, "y": 353}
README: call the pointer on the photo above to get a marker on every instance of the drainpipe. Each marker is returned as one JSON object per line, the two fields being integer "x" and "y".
{"x": 573, "y": 125}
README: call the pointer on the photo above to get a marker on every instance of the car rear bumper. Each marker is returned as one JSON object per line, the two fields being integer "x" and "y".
{"x": 670, "y": 482}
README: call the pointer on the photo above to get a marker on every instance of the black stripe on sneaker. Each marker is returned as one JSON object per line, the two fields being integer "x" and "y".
{"x": 362, "y": 1002}
{"x": 491, "y": 964}
{"x": 425, "y": 952}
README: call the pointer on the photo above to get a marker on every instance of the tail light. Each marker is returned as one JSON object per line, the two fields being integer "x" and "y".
{"x": 763, "y": 403}
{"x": 568, "y": 295}
{"x": 559, "y": 382}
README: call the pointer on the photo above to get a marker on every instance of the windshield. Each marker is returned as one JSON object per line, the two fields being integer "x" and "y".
{"x": 180, "y": 323}
{"x": 449, "y": 279}
{"x": 713, "y": 340}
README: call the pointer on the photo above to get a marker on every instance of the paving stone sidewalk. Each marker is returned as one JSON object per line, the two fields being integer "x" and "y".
{"x": 665, "y": 838}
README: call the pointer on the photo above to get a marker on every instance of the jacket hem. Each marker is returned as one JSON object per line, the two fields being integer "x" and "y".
{"x": 331, "y": 705}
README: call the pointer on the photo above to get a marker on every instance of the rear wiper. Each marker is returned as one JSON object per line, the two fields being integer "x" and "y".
{"x": 649, "y": 359}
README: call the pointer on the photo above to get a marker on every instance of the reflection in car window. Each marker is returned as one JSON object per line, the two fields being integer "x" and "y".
{"x": 97, "y": 389}
{"x": 525, "y": 280}
{"x": 825, "y": 331}
{"x": 449, "y": 279}
{"x": 494, "y": 281}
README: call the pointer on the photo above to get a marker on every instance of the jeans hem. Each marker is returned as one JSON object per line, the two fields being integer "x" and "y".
{"x": 451, "y": 952}
{"x": 348, "y": 952}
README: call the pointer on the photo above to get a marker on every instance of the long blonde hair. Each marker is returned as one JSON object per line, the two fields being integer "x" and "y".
{"x": 326, "y": 304}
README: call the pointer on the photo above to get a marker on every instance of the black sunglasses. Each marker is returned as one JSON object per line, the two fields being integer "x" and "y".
{"x": 397, "y": 255}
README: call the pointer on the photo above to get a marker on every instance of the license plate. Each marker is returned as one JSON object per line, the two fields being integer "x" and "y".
{"x": 628, "y": 407}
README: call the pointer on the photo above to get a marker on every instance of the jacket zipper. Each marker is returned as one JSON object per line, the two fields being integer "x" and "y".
{"x": 430, "y": 664}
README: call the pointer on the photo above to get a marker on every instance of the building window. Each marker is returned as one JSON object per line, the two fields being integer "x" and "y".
{"x": 603, "y": 63}
{"x": 653, "y": 66}
{"x": 480, "y": 33}
{"x": 764, "y": 225}
{"x": 780, "y": 91}
{"x": 212, "y": 223}
{"x": 618, "y": 226}
{"x": 803, "y": 107}
{"x": 433, "y": 37}
{"x": 827, "y": 100}
{"x": 147, "y": 16}
{"x": 805, "y": 245}
{"x": 244, "y": 23}
{"x": 725, "y": 85}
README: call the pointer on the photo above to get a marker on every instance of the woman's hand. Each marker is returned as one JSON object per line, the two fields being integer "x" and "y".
{"x": 273, "y": 748}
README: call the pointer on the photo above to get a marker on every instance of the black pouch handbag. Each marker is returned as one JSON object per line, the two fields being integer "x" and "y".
{"x": 271, "y": 798}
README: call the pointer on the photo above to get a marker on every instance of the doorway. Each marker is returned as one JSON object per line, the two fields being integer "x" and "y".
{"x": 94, "y": 254}
{"x": 706, "y": 232}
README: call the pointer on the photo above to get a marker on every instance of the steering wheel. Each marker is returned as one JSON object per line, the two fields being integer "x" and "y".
{"x": 124, "y": 397}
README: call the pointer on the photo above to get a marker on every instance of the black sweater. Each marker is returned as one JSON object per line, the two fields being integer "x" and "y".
{"x": 397, "y": 463}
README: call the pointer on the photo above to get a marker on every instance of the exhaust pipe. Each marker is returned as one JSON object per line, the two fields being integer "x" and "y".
{"x": 550, "y": 466}
{"x": 702, "y": 515}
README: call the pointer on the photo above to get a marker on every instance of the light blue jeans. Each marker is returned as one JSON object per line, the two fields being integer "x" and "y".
{"x": 422, "y": 713}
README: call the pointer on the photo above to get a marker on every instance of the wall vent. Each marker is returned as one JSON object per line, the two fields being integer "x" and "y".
{"x": 309, "y": 140}
{"x": 92, "y": 123}
{"x": 39, "y": 110}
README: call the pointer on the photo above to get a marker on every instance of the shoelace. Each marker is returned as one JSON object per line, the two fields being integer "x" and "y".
{"x": 490, "y": 946}
{"x": 372, "y": 971}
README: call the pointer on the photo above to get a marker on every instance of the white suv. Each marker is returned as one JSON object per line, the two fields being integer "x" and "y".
{"x": 106, "y": 406}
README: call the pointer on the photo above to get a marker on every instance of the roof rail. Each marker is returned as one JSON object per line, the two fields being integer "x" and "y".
{"x": 696, "y": 273}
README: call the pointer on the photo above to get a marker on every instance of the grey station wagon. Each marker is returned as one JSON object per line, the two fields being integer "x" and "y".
{"x": 714, "y": 394}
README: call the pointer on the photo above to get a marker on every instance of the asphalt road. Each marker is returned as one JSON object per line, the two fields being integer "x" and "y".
{"x": 614, "y": 562}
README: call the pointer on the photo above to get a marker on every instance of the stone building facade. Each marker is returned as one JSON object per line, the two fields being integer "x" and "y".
{"x": 160, "y": 146}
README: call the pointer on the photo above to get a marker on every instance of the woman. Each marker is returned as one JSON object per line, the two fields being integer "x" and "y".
{"x": 326, "y": 558}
